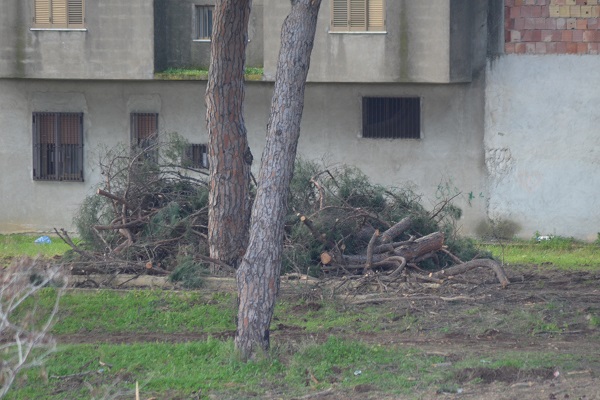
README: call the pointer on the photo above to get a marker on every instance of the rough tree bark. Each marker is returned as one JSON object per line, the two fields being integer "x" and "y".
{"x": 229, "y": 155}
{"x": 258, "y": 274}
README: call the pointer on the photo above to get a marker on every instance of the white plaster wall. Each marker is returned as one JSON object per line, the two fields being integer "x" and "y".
{"x": 542, "y": 143}
{"x": 450, "y": 152}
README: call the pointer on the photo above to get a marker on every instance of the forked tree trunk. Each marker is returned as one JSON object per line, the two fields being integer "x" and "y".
{"x": 229, "y": 154}
{"x": 258, "y": 274}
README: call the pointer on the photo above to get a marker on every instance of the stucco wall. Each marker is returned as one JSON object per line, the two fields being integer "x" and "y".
{"x": 415, "y": 47}
{"x": 174, "y": 29}
{"x": 449, "y": 155}
{"x": 117, "y": 43}
{"x": 542, "y": 141}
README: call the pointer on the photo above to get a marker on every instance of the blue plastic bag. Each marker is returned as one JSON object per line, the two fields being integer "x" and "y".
{"x": 43, "y": 240}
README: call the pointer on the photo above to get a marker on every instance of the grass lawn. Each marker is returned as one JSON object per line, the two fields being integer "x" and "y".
{"x": 560, "y": 253}
{"x": 319, "y": 343}
{"x": 20, "y": 245}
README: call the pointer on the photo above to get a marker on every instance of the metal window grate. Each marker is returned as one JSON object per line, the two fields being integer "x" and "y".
{"x": 392, "y": 117}
{"x": 196, "y": 155}
{"x": 58, "y": 146}
{"x": 144, "y": 133}
{"x": 203, "y": 22}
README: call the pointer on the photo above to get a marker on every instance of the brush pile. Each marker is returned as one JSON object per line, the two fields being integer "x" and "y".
{"x": 149, "y": 216}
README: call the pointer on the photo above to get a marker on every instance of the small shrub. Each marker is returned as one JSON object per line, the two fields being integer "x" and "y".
{"x": 189, "y": 273}
{"x": 498, "y": 229}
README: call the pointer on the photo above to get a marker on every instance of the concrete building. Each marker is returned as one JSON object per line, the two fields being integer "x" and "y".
{"x": 431, "y": 93}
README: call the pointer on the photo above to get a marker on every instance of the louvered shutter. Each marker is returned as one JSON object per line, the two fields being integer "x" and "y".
{"x": 358, "y": 15}
{"x": 59, "y": 13}
{"x": 71, "y": 146}
{"x": 339, "y": 15}
{"x": 75, "y": 12}
{"x": 42, "y": 13}
{"x": 376, "y": 17}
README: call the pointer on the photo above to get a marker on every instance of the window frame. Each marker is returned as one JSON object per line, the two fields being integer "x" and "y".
{"x": 199, "y": 31}
{"x": 150, "y": 137}
{"x": 58, "y": 161}
{"x": 369, "y": 16}
{"x": 399, "y": 119}
{"x": 196, "y": 155}
{"x": 71, "y": 14}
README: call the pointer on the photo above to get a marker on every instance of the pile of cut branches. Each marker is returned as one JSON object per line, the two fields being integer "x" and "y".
{"x": 149, "y": 215}
{"x": 368, "y": 232}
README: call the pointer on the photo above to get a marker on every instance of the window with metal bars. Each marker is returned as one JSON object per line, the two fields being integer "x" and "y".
{"x": 58, "y": 146}
{"x": 196, "y": 156}
{"x": 144, "y": 134}
{"x": 358, "y": 15}
{"x": 203, "y": 21}
{"x": 391, "y": 117}
{"x": 56, "y": 14}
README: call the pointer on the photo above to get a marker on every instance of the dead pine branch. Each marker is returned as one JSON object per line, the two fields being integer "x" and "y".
{"x": 396, "y": 230}
{"x": 477, "y": 263}
{"x": 65, "y": 238}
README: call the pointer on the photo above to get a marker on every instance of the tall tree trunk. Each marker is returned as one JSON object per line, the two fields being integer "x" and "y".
{"x": 229, "y": 154}
{"x": 258, "y": 274}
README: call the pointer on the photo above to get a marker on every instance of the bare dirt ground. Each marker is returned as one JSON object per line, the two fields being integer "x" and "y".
{"x": 541, "y": 310}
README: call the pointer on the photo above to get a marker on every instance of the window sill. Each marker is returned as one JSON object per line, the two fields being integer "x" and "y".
{"x": 60, "y": 29}
{"x": 358, "y": 32}
{"x": 206, "y": 40}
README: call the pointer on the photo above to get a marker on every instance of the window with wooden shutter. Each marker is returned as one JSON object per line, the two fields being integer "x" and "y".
{"x": 391, "y": 117}
{"x": 144, "y": 134}
{"x": 358, "y": 15}
{"x": 58, "y": 146}
{"x": 57, "y": 14}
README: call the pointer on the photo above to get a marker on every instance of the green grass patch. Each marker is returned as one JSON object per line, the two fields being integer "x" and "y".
{"x": 250, "y": 74}
{"x": 211, "y": 367}
{"x": 560, "y": 253}
{"x": 141, "y": 311}
{"x": 23, "y": 245}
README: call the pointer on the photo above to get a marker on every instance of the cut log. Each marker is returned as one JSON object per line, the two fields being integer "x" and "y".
{"x": 370, "y": 249}
{"x": 326, "y": 258}
{"x": 409, "y": 251}
{"x": 396, "y": 230}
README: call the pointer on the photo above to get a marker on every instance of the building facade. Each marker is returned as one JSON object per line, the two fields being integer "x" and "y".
{"x": 436, "y": 94}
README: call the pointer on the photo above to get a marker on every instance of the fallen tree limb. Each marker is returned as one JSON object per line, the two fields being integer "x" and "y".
{"x": 396, "y": 230}
{"x": 113, "y": 197}
{"x": 65, "y": 238}
{"x": 464, "y": 267}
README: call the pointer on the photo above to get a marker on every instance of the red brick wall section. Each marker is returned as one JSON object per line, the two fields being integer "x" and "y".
{"x": 551, "y": 26}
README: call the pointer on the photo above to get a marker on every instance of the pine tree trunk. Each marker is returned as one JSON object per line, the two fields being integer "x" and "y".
{"x": 229, "y": 154}
{"x": 258, "y": 274}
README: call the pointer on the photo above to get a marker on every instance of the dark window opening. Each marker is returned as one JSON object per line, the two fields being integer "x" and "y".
{"x": 196, "y": 156}
{"x": 391, "y": 117}
{"x": 58, "y": 146}
{"x": 144, "y": 134}
{"x": 203, "y": 22}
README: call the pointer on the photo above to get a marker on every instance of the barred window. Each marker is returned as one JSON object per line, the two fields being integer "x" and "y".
{"x": 58, "y": 146}
{"x": 67, "y": 14}
{"x": 144, "y": 133}
{"x": 358, "y": 15}
{"x": 392, "y": 117}
{"x": 203, "y": 21}
{"x": 196, "y": 156}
